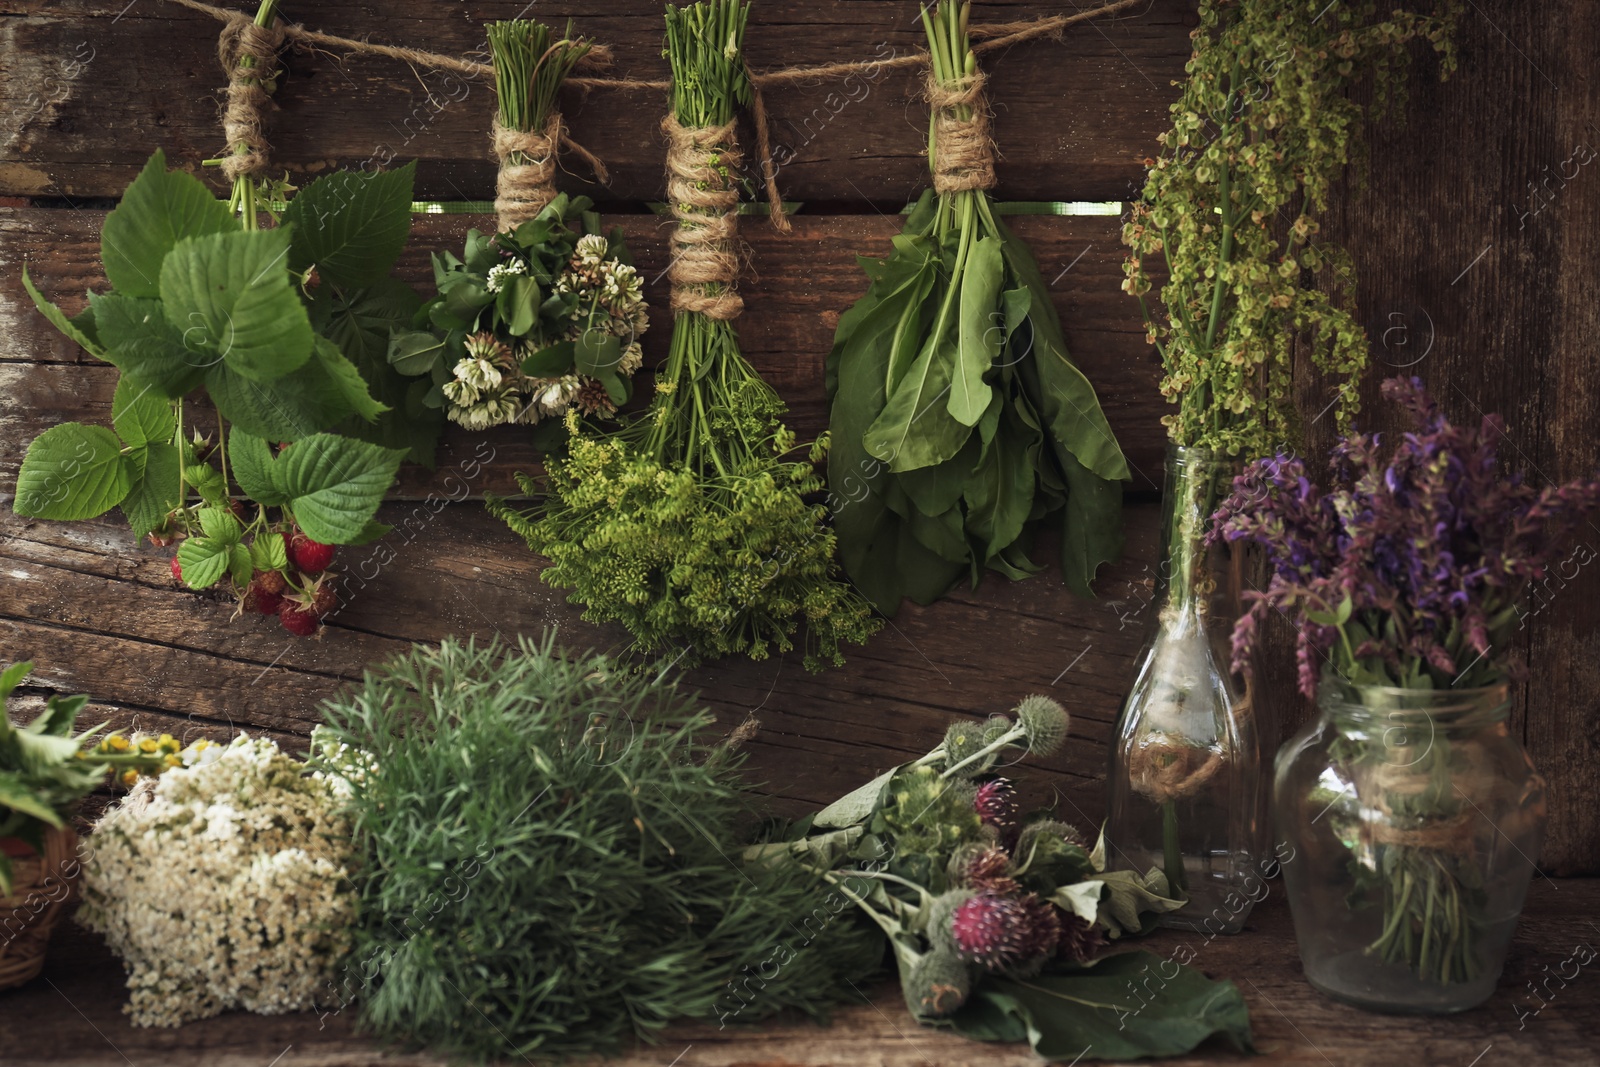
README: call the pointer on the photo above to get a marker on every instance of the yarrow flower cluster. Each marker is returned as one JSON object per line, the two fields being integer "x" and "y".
{"x": 1410, "y": 572}
{"x": 224, "y": 884}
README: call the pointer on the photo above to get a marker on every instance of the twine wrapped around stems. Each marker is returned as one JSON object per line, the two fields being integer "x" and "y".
{"x": 701, "y": 161}
{"x": 526, "y": 182}
{"x": 964, "y": 150}
{"x": 249, "y": 57}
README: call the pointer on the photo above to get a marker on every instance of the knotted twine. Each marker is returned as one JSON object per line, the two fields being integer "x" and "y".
{"x": 964, "y": 150}
{"x": 701, "y": 162}
{"x": 526, "y": 182}
{"x": 249, "y": 56}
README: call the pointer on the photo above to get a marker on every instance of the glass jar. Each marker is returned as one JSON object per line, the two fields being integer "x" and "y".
{"x": 1184, "y": 785}
{"x": 1415, "y": 817}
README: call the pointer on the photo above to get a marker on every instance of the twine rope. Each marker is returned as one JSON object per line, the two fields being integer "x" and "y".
{"x": 249, "y": 57}
{"x": 705, "y": 203}
{"x": 963, "y": 147}
{"x": 526, "y": 182}
{"x": 989, "y": 37}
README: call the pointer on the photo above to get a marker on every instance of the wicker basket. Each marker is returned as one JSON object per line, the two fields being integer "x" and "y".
{"x": 41, "y": 887}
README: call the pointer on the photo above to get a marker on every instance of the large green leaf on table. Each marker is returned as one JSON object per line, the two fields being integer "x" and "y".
{"x": 145, "y": 346}
{"x": 73, "y": 472}
{"x": 1106, "y": 1010}
{"x": 157, "y": 211}
{"x": 335, "y": 484}
{"x": 155, "y": 493}
{"x": 230, "y": 294}
{"x": 253, "y": 467}
{"x": 140, "y": 415}
{"x": 981, "y": 330}
{"x": 304, "y": 402}
{"x": 1061, "y": 392}
{"x": 856, "y": 806}
{"x": 916, "y": 428}
{"x": 351, "y": 226}
{"x": 80, "y": 330}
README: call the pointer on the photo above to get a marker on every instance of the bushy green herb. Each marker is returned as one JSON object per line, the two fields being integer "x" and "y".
{"x": 45, "y": 768}
{"x": 959, "y": 424}
{"x": 553, "y": 860}
{"x": 1266, "y": 123}
{"x": 689, "y": 525}
{"x": 530, "y": 64}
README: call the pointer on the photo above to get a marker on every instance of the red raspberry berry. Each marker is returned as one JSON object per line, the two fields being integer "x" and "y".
{"x": 312, "y": 557}
{"x": 297, "y": 620}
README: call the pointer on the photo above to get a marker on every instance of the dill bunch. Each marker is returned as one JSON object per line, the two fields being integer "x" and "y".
{"x": 550, "y": 860}
{"x": 690, "y": 524}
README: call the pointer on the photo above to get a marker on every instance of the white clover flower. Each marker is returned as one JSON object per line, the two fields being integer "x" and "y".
{"x": 592, "y": 248}
{"x": 498, "y": 273}
{"x": 480, "y": 374}
{"x": 555, "y": 397}
{"x": 459, "y": 393}
{"x": 632, "y": 359}
{"x": 223, "y": 885}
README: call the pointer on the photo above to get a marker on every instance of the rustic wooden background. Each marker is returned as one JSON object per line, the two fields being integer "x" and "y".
{"x": 1463, "y": 282}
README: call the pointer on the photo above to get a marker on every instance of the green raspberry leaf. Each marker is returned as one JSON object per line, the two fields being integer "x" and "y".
{"x": 159, "y": 210}
{"x": 140, "y": 414}
{"x": 335, "y": 484}
{"x": 203, "y": 561}
{"x": 351, "y": 226}
{"x": 73, "y": 472}
{"x": 230, "y": 294}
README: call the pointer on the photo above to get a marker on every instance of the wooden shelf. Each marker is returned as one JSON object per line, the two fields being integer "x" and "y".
{"x": 71, "y": 1015}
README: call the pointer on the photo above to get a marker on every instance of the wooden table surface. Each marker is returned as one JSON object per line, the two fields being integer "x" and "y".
{"x": 71, "y": 1015}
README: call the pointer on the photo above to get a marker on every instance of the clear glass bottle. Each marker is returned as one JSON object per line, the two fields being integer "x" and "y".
{"x": 1415, "y": 817}
{"x": 1185, "y": 785}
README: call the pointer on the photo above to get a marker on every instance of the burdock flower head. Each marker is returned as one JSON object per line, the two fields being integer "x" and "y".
{"x": 1410, "y": 571}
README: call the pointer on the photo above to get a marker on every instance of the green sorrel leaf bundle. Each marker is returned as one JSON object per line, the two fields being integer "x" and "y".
{"x": 691, "y": 525}
{"x": 959, "y": 424}
{"x": 547, "y": 872}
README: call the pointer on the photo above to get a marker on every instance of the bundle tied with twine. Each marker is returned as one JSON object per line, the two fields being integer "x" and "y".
{"x": 701, "y": 161}
{"x": 964, "y": 149}
{"x": 249, "y": 57}
{"x": 1163, "y": 769}
{"x": 526, "y": 182}
{"x": 964, "y": 142}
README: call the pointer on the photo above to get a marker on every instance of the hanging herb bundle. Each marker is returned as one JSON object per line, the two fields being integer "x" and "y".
{"x": 547, "y": 868}
{"x": 690, "y": 525}
{"x": 546, "y": 314}
{"x": 1265, "y": 125}
{"x": 996, "y": 920}
{"x": 959, "y": 425}
{"x": 283, "y": 329}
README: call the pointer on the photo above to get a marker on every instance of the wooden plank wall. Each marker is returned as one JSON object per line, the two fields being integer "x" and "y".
{"x": 89, "y": 88}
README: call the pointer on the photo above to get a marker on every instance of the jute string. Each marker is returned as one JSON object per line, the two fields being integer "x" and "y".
{"x": 527, "y": 179}
{"x": 963, "y": 148}
{"x": 249, "y": 57}
{"x": 988, "y": 37}
{"x": 705, "y": 203}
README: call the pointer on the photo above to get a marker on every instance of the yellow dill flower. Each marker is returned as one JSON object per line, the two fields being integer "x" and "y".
{"x": 118, "y": 742}
{"x": 173, "y": 761}
{"x": 130, "y": 777}
{"x": 148, "y": 745}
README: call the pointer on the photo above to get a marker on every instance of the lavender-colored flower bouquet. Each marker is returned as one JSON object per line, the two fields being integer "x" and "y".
{"x": 1406, "y": 580}
{"x": 1411, "y": 573}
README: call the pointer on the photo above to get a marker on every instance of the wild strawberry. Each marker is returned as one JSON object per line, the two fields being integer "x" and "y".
{"x": 271, "y": 581}
{"x": 177, "y": 570}
{"x": 323, "y": 599}
{"x": 265, "y": 593}
{"x": 298, "y": 620}
{"x": 310, "y": 556}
